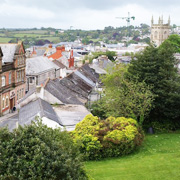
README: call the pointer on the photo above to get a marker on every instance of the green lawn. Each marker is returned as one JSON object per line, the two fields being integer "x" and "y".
{"x": 157, "y": 159}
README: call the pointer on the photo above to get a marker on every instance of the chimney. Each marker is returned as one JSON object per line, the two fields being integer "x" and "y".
{"x": 58, "y": 49}
{"x": 72, "y": 53}
{"x": 40, "y": 91}
{"x": 50, "y": 45}
{"x": 63, "y": 48}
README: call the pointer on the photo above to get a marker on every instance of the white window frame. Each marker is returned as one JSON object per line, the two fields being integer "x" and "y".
{"x": 3, "y": 81}
{"x": 22, "y": 76}
{"x": 17, "y": 95}
{"x": 7, "y": 101}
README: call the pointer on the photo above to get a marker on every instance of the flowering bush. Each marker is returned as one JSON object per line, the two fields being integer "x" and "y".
{"x": 107, "y": 138}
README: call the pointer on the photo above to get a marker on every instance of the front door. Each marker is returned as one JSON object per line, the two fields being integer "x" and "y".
{"x": 11, "y": 103}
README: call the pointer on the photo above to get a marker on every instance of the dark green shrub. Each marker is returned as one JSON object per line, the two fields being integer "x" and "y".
{"x": 37, "y": 152}
{"x": 107, "y": 138}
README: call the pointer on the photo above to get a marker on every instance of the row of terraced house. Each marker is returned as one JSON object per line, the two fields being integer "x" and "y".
{"x": 12, "y": 76}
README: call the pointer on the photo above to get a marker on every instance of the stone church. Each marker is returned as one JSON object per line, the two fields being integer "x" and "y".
{"x": 160, "y": 31}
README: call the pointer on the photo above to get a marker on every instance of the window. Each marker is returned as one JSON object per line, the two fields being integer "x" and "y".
{"x": 3, "y": 105}
{"x": 20, "y": 94}
{"x": 22, "y": 76}
{"x": 10, "y": 78}
{"x": 7, "y": 101}
{"x": 17, "y": 95}
{"x": 31, "y": 79}
{"x": 3, "y": 81}
{"x": 22, "y": 91}
{"x": 17, "y": 76}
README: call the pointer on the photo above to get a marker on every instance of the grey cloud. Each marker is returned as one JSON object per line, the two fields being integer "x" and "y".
{"x": 92, "y": 4}
{"x": 68, "y": 12}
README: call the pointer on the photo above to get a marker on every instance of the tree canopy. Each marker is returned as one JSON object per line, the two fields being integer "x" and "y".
{"x": 157, "y": 68}
{"x": 174, "y": 40}
{"x": 123, "y": 97}
{"x": 39, "y": 152}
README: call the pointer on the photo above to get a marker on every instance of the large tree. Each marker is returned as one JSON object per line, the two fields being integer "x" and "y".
{"x": 123, "y": 97}
{"x": 157, "y": 68}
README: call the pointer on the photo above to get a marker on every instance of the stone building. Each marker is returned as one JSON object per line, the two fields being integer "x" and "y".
{"x": 12, "y": 76}
{"x": 38, "y": 70}
{"x": 160, "y": 31}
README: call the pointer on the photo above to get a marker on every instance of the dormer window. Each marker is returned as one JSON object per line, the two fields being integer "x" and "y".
{"x": 3, "y": 81}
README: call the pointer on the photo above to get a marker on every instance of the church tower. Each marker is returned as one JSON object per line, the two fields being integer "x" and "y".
{"x": 160, "y": 31}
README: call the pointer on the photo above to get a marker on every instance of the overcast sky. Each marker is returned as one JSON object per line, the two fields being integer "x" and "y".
{"x": 84, "y": 14}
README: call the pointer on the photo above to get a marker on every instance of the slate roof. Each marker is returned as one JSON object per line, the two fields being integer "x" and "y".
{"x": 38, "y": 65}
{"x": 75, "y": 86}
{"x": 40, "y": 52}
{"x": 84, "y": 78}
{"x": 64, "y": 94}
{"x": 63, "y": 58}
{"x": 58, "y": 63}
{"x": 71, "y": 115}
{"x": 64, "y": 43}
{"x": 76, "y": 54}
{"x": 89, "y": 73}
{"x": 97, "y": 69}
{"x": 35, "y": 108}
{"x": 29, "y": 93}
{"x": 9, "y": 51}
{"x": 80, "y": 82}
{"x": 103, "y": 62}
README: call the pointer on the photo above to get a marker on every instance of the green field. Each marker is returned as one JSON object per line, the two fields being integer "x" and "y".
{"x": 30, "y": 35}
{"x": 157, "y": 159}
{"x": 4, "y": 39}
{"x": 32, "y": 32}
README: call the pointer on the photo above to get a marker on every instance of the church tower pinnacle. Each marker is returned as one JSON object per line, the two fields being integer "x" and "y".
{"x": 152, "y": 21}
{"x": 169, "y": 21}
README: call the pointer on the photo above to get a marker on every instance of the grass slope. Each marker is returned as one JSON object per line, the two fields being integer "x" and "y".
{"x": 157, "y": 159}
